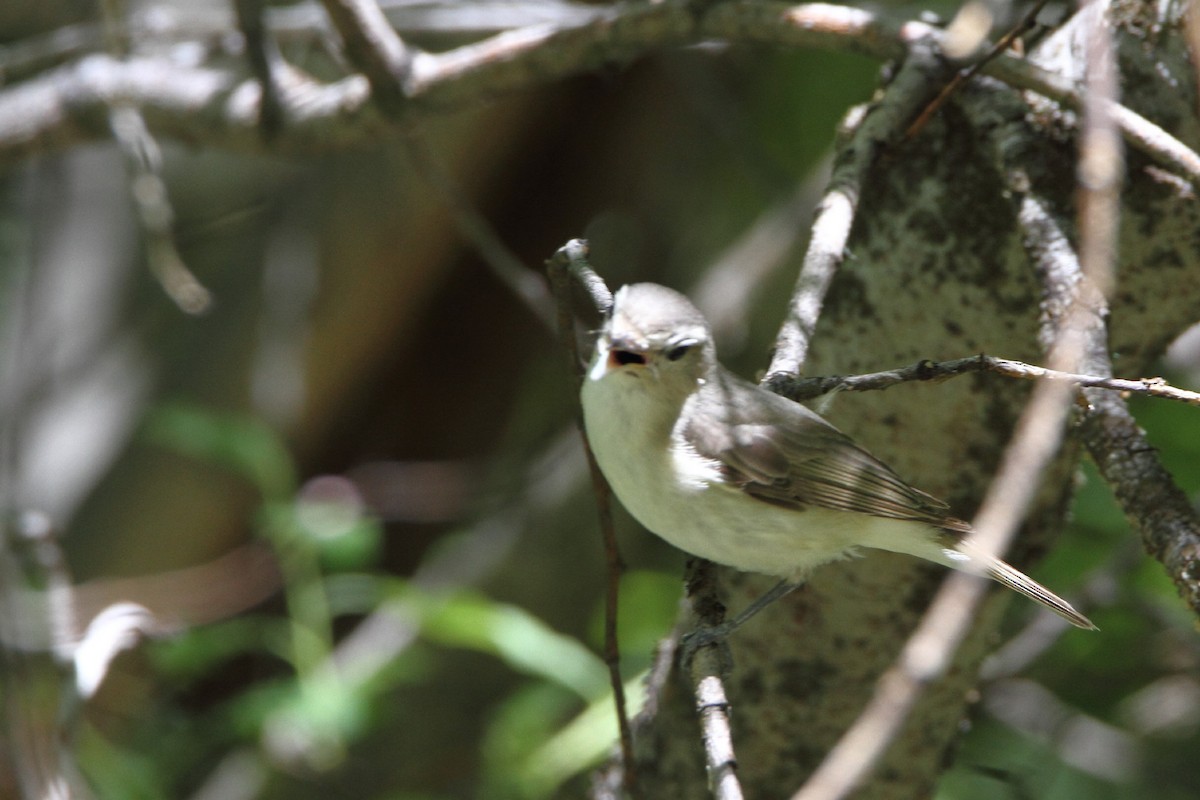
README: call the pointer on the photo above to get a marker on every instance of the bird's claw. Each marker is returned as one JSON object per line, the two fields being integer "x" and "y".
{"x": 715, "y": 636}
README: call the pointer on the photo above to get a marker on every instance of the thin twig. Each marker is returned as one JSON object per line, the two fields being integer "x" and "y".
{"x": 1137, "y": 131}
{"x": 58, "y": 107}
{"x": 373, "y": 46}
{"x": 261, "y": 55}
{"x": 525, "y": 284}
{"x": 929, "y": 652}
{"x": 1169, "y": 524}
{"x": 869, "y": 135}
{"x": 1101, "y": 167}
{"x": 41, "y": 705}
{"x": 567, "y": 267}
{"x": 804, "y": 388}
{"x": 712, "y": 707}
{"x": 148, "y": 190}
{"x": 706, "y": 669}
{"x": 963, "y": 76}
{"x": 155, "y": 214}
{"x": 1162, "y": 512}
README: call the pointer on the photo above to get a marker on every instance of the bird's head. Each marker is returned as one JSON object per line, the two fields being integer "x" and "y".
{"x": 657, "y": 337}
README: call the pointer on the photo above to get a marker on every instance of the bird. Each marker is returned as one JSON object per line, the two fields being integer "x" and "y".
{"x": 728, "y": 471}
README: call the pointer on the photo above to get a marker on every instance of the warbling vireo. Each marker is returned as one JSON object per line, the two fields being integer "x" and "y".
{"x": 733, "y": 473}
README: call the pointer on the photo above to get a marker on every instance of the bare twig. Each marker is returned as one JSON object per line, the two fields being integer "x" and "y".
{"x": 40, "y": 633}
{"x": 261, "y": 55}
{"x": 1139, "y": 132}
{"x": 572, "y": 257}
{"x": 713, "y": 709}
{"x": 374, "y": 47}
{"x": 567, "y": 267}
{"x": 868, "y": 136}
{"x": 1169, "y": 525}
{"x": 930, "y": 650}
{"x": 1101, "y": 167}
{"x": 706, "y": 669}
{"x": 1163, "y": 513}
{"x": 964, "y": 75}
{"x": 148, "y": 190}
{"x": 831, "y": 229}
{"x": 1191, "y": 31}
{"x": 143, "y": 160}
{"x": 57, "y": 108}
{"x": 804, "y": 388}
{"x": 527, "y": 286}
{"x": 1035, "y": 441}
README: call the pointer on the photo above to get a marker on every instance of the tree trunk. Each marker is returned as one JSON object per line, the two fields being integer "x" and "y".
{"x": 939, "y": 266}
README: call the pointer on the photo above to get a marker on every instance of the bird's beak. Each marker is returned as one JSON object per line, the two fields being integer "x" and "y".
{"x": 626, "y": 357}
{"x": 620, "y": 354}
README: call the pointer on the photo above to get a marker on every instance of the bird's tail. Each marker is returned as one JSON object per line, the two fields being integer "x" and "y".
{"x": 968, "y": 558}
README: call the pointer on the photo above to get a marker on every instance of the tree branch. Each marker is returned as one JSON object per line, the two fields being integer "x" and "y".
{"x": 1137, "y": 131}
{"x": 374, "y": 47}
{"x": 262, "y": 56}
{"x": 1161, "y": 511}
{"x": 870, "y": 135}
{"x": 806, "y": 388}
{"x": 1074, "y": 333}
{"x": 527, "y": 286}
{"x": 220, "y": 107}
{"x": 706, "y": 670}
{"x": 567, "y": 267}
{"x": 1169, "y": 526}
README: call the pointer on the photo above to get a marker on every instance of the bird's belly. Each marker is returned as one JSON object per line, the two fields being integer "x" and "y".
{"x": 682, "y": 497}
{"x": 723, "y": 524}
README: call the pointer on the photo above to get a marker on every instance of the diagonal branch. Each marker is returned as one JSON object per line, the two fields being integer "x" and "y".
{"x": 374, "y": 47}
{"x": 961, "y": 78}
{"x": 1074, "y": 330}
{"x": 218, "y": 106}
{"x": 870, "y": 135}
{"x": 527, "y": 286}
{"x": 1139, "y": 132}
{"x": 569, "y": 267}
{"x": 1162, "y": 512}
{"x": 148, "y": 192}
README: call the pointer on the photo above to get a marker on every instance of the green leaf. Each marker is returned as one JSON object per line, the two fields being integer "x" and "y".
{"x": 517, "y": 637}
{"x": 243, "y": 444}
{"x": 581, "y": 744}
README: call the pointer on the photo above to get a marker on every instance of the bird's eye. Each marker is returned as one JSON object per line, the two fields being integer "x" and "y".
{"x": 624, "y": 357}
{"x": 678, "y": 352}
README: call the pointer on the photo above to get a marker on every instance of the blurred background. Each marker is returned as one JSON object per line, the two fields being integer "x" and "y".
{"x": 350, "y": 489}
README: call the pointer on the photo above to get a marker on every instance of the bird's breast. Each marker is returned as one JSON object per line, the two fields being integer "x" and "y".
{"x": 685, "y": 499}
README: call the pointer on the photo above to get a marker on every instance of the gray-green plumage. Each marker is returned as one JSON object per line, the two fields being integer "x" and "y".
{"x": 733, "y": 473}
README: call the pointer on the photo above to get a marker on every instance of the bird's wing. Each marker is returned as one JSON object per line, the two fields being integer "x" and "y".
{"x": 780, "y": 452}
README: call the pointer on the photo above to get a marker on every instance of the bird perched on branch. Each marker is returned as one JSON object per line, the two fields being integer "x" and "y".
{"x": 733, "y": 473}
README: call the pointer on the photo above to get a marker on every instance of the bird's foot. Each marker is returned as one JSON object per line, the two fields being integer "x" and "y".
{"x": 714, "y": 637}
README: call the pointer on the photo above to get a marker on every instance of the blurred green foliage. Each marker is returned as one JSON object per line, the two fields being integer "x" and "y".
{"x": 259, "y": 692}
{"x": 556, "y": 723}
{"x": 557, "y": 720}
{"x": 1104, "y": 688}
